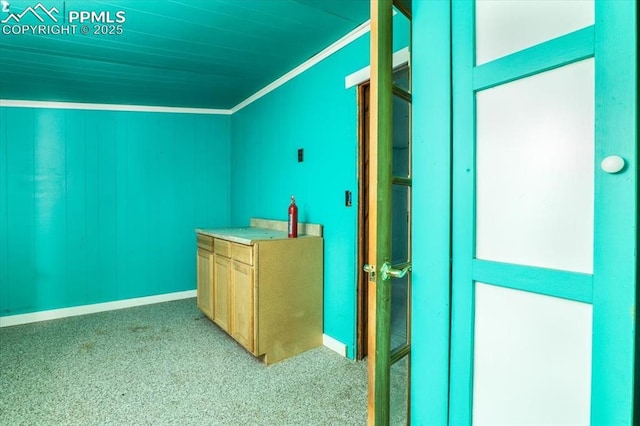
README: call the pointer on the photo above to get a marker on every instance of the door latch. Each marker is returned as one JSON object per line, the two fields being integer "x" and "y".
{"x": 371, "y": 270}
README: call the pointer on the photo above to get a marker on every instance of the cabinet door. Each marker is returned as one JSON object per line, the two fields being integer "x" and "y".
{"x": 205, "y": 282}
{"x": 242, "y": 305}
{"x": 221, "y": 291}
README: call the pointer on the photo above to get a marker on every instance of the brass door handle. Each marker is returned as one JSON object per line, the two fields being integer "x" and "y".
{"x": 387, "y": 271}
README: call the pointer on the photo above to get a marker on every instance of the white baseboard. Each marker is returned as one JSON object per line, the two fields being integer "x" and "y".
{"x": 334, "y": 345}
{"x": 92, "y": 309}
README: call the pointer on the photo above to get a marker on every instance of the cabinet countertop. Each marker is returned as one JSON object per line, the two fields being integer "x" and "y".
{"x": 246, "y": 235}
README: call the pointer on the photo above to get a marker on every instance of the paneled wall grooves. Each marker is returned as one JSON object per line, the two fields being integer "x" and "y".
{"x": 100, "y": 206}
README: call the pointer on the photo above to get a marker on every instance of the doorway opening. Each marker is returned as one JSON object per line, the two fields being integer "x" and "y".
{"x": 401, "y": 301}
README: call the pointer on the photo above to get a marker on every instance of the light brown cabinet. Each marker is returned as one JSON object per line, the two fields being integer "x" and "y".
{"x": 242, "y": 308}
{"x": 265, "y": 293}
{"x": 205, "y": 281}
{"x": 221, "y": 287}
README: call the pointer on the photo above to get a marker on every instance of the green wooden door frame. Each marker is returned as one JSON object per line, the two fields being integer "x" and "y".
{"x": 436, "y": 399}
{"x": 380, "y": 180}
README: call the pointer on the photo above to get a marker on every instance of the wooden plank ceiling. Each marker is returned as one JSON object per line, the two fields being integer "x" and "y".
{"x": 186, "y": 53}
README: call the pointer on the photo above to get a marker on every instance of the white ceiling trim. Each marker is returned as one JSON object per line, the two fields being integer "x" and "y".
{"x": 111, "y": 107}
{"x": 342, "y": 42}
{"x": 401, "y": 57}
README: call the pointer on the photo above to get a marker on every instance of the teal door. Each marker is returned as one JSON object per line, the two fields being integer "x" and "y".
{"x": 542, "y": 155}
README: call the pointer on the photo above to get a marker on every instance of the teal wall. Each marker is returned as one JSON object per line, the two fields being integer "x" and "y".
{"x": 100, "y": 206}
{"x": 315, "y": 112}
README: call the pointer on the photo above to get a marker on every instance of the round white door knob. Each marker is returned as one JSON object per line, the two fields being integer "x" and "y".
{"x": 612, "y": 164}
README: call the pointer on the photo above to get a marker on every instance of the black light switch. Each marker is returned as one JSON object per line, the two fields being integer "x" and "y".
{"x": 347, "y": 198}
{"x": 300, "y": 155}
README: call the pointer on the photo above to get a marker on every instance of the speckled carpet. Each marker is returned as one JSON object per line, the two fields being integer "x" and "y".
{"x": 166, "y": 364}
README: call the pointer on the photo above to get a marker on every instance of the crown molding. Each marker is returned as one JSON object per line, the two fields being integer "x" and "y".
{"x": 314, "y": 60}
{"x": 110, "y": 107}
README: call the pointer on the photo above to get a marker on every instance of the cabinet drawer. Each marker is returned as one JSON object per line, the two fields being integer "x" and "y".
{"x": 242, "y": 253}
{"x": 222, "y": 247}
{"x": 205, "y": 242}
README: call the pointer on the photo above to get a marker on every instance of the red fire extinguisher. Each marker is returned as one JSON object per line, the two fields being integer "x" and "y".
{"x": 293, "y": 218}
